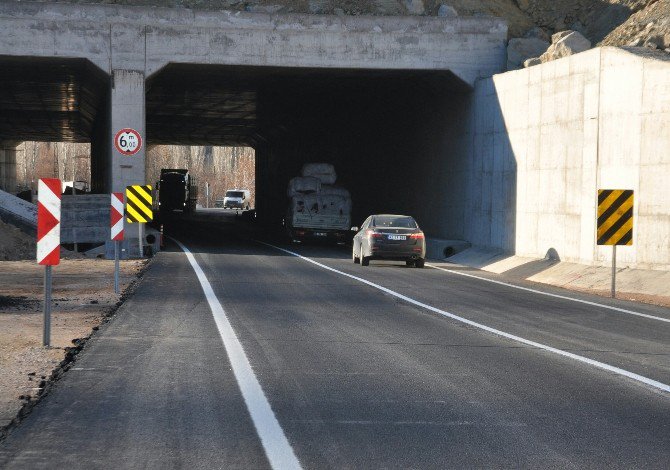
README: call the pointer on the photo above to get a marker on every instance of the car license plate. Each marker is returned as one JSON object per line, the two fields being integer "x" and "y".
{"x": 397, "y": 237}
{"x": 320, "y": 234}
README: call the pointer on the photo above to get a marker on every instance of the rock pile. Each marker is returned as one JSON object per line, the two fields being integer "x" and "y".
{"x": 649, "y": 28}
{"x": 521, "y": 49}
{"x": 528, "y": 51}
{"x": 594, "y": 19}
{"x": 565, "y": 43}
{"x": 635, "y": 23}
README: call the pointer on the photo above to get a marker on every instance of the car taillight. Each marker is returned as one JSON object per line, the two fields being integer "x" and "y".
{"x": 373, "y": 234}
{"x": 418, "y": 235}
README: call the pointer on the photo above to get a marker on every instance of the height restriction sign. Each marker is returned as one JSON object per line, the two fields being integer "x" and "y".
{"x": 128, "y": 141}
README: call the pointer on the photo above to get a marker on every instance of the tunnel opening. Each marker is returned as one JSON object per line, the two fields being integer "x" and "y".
{"x": 216, "y": 170}
{"x": 47, "y": 103}
{"x": 69, "y": 162}
{"x": 398, "y": 138}
{"x": 54, "y": 121}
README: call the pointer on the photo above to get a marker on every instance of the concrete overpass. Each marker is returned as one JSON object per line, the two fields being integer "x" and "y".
{"x": 414, "y": 113}
{"x": 289, "y": 85}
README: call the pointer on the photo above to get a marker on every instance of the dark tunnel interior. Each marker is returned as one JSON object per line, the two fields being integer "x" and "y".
{"x": 394, "y": 136}
{"x": 50, "y": 100}
{"x": 386, "y": 131}
{"x": 56, "y": 100}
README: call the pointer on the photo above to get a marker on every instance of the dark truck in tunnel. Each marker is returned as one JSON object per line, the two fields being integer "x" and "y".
{"x": 177, "y": 190}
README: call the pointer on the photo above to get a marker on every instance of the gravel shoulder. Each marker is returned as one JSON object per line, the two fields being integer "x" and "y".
{"x": 83, "y": 297}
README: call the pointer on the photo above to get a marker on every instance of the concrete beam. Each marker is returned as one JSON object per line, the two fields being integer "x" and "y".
{"x": 146, "y": 39}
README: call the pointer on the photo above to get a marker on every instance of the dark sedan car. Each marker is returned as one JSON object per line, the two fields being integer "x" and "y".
{"x": 390, "y": 237}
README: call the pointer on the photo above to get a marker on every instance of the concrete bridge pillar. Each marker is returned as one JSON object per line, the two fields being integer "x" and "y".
{"x": 127, "y": 106}
{"x": 8, "y": 166}
{"x": 126, "y": 110}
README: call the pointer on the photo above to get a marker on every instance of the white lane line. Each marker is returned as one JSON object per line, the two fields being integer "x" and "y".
{"x": 564, "y": 297}
{"x": 277, "y": 448}
{"x": 560, "y": 352}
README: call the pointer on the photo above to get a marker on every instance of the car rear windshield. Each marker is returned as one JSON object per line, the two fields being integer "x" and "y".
{"x": 234, "y": 194}
{"x": 396, "y": 222}
{"x": 173, "y": 177}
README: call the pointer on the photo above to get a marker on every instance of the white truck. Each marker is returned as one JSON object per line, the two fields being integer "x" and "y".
{"x": 237, "y": 199}
{"x": 318, "y": 210}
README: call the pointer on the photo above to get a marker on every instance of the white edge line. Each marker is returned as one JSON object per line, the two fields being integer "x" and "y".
{"x": 558, "y": 296}
{"x": 560, "y": 352}
{"x": 277, "y": 448}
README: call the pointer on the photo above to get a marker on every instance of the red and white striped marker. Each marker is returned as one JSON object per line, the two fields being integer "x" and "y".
{"x": 116, "y": 216}
{"x": 48, "y": 221}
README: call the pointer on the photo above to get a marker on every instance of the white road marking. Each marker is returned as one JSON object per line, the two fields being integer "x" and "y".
{"x": 564, "y": 297}
{"x": 277, "y": 448}
{"x": 560, "y": 352}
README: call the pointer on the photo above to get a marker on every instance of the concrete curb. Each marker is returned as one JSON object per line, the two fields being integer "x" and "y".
{"x": 574, "y": 276}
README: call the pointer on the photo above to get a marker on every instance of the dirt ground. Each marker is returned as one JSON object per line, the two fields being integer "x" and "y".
{"x": 83, "y": 297}
{"x": 14, "y": 244}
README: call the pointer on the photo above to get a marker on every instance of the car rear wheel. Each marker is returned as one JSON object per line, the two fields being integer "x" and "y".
{"x": 355, "y": 258}
{"x": 419, "y": 263}
{"x": 410, "y": 263}
{"x": 365, "y": 261}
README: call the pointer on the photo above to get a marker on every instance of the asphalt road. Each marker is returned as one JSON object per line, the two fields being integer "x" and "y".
{"x": 356, "y": 377}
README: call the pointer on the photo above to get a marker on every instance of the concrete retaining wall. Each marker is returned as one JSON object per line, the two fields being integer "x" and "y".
{"x": 548, "y": 137}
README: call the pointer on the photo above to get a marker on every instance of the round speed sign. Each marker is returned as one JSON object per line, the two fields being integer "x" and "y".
{"x": 128, "y": 141}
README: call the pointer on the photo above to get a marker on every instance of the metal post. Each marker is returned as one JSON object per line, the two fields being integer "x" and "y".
{"x": 613, "y": 271}
{"x": 140, "y": 228}
{"x": 74, "y": 229}
{"x": 116, "y": 266}
{"x": 46, "y": 337}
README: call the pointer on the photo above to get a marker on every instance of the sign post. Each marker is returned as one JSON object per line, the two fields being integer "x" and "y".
{"x": 46, "y": 333}
{"x": 140, "y": 229}
{"x": 139, "y": 208}
{"x": 615, "y": 222}
{"x": 116, "y": 222}
{"x": 48, "y": 240}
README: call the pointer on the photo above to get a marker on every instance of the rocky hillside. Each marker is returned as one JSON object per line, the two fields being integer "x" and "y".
{"x": 649, "y": 27}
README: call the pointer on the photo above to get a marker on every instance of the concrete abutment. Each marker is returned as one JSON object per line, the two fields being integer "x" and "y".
{"x": 546, "y": 138}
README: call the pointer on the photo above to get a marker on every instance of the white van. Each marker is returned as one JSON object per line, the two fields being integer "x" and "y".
{"x": 237, "y": 199}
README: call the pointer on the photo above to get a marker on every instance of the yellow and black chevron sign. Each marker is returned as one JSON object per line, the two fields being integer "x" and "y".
{"x": 615, "y": 217}
{"x": 139, "y": 204}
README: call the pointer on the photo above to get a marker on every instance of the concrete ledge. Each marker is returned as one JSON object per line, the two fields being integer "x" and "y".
{"x": 598, "y": 279}
{"x": 440, "y": 248}
{"x": 18, "y": 212}
{"x": 477, "y": 257}
{"x": 633, "y": 284}
{"x": 18, "y": 207}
